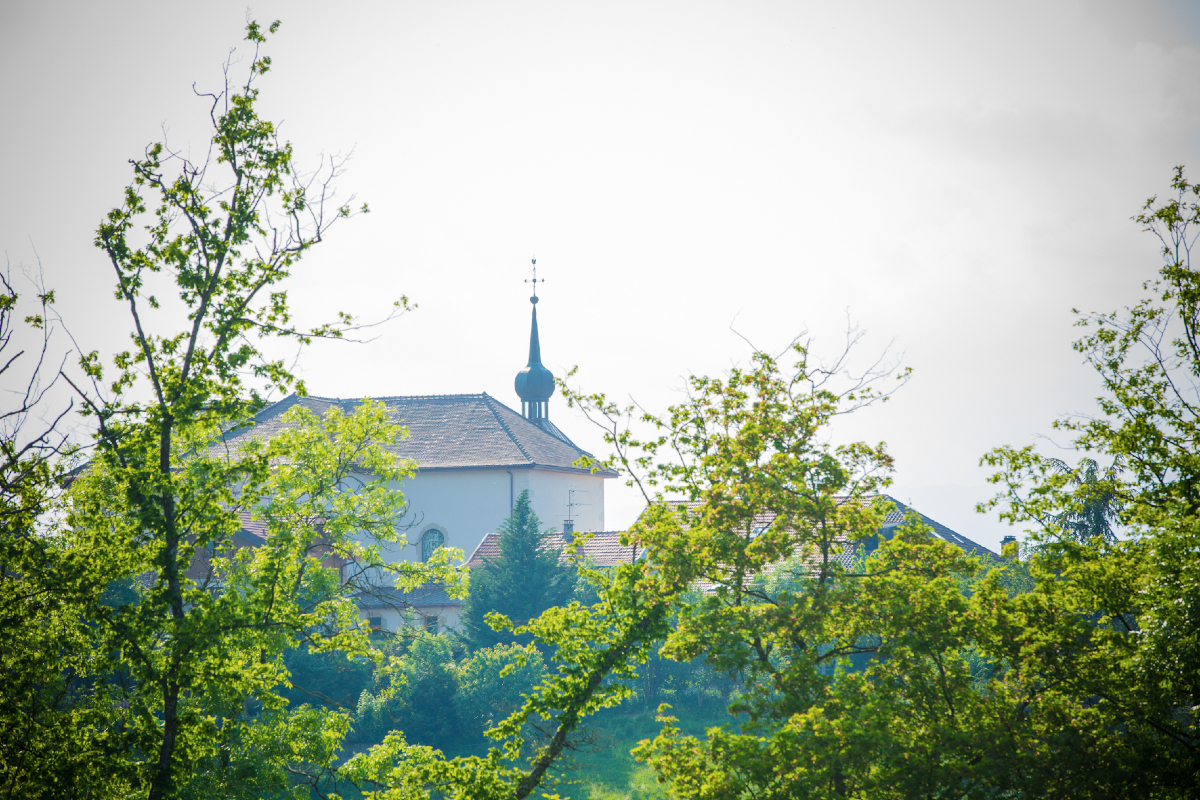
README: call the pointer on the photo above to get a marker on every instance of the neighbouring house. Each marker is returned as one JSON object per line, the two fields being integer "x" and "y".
{"x": 894, "y": 519}
{"x": 598, "y": 548}
{"x": 846, "y": 552}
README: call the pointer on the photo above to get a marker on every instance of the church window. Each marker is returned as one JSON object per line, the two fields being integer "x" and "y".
{"x": 430, "y": 542}
{"x": 431, "y": 625}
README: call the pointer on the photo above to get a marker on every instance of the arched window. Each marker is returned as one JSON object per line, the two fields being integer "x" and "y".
{"x": 431, "y": 541}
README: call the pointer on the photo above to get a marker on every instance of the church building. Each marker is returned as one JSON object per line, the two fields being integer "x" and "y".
{"x": 474, "y": 457}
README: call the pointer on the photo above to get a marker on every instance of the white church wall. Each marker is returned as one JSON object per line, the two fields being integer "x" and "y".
{"x": 465, "y": 505}
{"x": 548, "y": 492}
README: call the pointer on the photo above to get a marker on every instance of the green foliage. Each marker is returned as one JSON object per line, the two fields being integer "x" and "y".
{"x": 150, "y": 658}
{"x": 494, "y": 683}
{"x": 325, "y": 678}
{"x": 439, "y": 703}
{"x": 1112, "y": 625}
{"x": 415, "y": 694}
{"x": 774, "y": 515}
{"x": 242, "y": 609}
{"x": 910, "y": 671}
{"x": 603, "y": 766}
{"x": 49, "y": 703}
{"x": 596, "y": 653}
{"x": 524, "y": 580}
{"x": 151, "y": 652}
{"x": 1095, "y": 515}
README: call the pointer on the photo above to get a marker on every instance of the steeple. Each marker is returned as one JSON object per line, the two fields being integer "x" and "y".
{"x": 535, "y": 384}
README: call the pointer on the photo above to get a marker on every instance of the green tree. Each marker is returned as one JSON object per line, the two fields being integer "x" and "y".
{"x": 415, "y": 695}
{"x": 171, "y": 685}
{"x": 523, "y": 580}
{"x": 1116, "y": 628}
{"x": 750, "y": 456}
{"x": 49, "y": 702}
{"x": 494, "y": 682}
{"x": 149, "y": 652}
{"x": 1096, "y": 500}
{"x": 596, "y": 652}
{"x": 889, "y": 675}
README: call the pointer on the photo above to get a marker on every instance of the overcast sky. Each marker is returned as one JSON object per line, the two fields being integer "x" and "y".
{"x": 954, "y": 177}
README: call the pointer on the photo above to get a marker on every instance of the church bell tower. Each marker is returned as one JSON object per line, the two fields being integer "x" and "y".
{"x": 535, "y": 383}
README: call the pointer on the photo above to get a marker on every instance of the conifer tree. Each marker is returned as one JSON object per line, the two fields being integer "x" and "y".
{"x": 524, "y": 580}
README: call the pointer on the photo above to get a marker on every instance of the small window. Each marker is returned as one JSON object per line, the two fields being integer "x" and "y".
{"x": 376, "y": 623}
{"x": 431, "y": 625}
{"x": 431, "y": 542}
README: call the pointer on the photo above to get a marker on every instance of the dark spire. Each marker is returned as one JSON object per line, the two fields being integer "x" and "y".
{"x": 535, "y": 383}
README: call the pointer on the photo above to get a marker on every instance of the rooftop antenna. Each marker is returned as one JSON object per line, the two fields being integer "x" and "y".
{"x": 569, "y": 522}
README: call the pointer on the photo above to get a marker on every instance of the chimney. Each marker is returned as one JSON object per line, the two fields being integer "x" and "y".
{"x": 1009, "y": 547}
{"x": 568, "y": 530}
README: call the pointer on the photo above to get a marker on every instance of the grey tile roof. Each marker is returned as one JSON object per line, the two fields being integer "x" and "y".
{"x": 457, "y": 431}
{"x": 253, "y": 530}
{"x": 896, "y": 516}
{"x": 893, "y": 519}
{"x": 845, "y": 550}
{"x": 602, "y": 548}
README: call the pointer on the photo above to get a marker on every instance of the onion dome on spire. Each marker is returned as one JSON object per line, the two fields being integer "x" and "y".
{"x": 535, "y": 383}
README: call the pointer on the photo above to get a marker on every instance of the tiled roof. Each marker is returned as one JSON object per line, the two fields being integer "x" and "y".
{"x": 255, "y": 531}
{"x": 893, "y": 519}
{"x": 458, "y": 431}
{"x": 845, "y": 551}
{"x": 896, "y": 516}
{"x": 601, "y": 548}
{"x": 252, "y": 529}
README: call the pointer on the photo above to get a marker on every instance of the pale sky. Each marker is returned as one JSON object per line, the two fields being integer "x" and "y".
{"x": 955, "y": 177}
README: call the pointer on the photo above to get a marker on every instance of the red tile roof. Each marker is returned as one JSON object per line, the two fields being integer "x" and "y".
{"x": 600, "y": 548}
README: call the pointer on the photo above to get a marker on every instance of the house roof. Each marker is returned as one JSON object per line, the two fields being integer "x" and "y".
{"x": 896, "y": 516}
{"x": 252, "y": 529}
{"x": 604, "y": 548}
{"x": 845, "y": 551}
{"x": 601, "y": 548}
{"x": 894, "y": 519}
{"x": 456, "y": 431}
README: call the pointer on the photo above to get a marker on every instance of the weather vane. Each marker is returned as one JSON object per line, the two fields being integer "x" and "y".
{"x": 535, "y": 280}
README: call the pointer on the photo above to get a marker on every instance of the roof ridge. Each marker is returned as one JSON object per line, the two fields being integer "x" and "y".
{"x": 560, "y": 436}
{"x": 401, "y": 397}
{"x": 262, "y": 415}
{"x": 549, "y": 427}
{"x": 486, "y": 536}
{"x": 489, "y": 403}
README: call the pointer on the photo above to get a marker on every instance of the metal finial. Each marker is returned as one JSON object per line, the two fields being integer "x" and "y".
{"x": 535, "y": 281}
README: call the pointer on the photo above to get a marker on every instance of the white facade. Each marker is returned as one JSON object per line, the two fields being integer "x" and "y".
{"x": 389, "y": 618}
{"x": 465, "y": 505}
